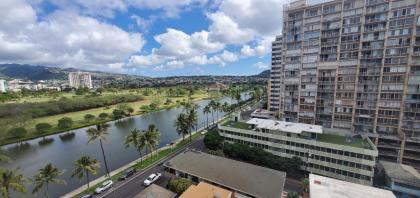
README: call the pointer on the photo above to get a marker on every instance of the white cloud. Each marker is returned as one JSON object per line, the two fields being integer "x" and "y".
{"x": 143, "y": 23}
{"x": 262, "y": 17}
{"x": 262, "y": 47}
{"x": 63, "y": 38}
{"x": 261, "y": 65}
{"x": 177, "y": 44}
{"x": 225, "y": 30}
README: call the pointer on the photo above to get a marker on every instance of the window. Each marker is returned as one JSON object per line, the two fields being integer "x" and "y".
{"x": 329, "y": 9}
{"x": 348, "y": 5}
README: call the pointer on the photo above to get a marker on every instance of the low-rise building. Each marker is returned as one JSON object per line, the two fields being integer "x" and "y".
{"x": 206, "y": 190}
{"x": 243, "y": 179}
{"x": 402, "y": 179}
{"x": 217, "y": 87}
{"x": 155, "y": 191}
{"x": 349, "y": 158}
{"x": 325, "y": 187}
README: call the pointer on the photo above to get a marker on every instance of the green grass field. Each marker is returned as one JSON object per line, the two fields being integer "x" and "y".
{"x": 78, "y": 117}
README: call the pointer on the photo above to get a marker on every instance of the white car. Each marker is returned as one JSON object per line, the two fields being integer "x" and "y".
{"x": 152, "y": 178}
{"x": 104, "y": 186}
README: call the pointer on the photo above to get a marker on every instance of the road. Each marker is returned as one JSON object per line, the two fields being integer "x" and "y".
{"x": 134, "y": 184}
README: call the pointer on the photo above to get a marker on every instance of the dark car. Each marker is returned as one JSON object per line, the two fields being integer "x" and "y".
{"x": 128, "y": 173}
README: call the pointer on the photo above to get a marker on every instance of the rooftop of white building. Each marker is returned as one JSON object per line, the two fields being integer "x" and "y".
{"x": 325, "y": 187}
{"x": 285, "y": 126}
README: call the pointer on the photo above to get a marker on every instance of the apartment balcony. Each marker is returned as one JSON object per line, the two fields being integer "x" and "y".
{"x": 376, "y": 2}
{"x": 377, "y": 9}
{"x": 373, "y": 38}
{"x": 399, "y": 4}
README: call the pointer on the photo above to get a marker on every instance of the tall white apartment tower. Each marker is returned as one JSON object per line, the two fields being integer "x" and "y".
{"x": 80, "y": 79}
{"x": 3, "y": 86}
{"x": 274, "y": 101}
{"x": 355, "y": 65}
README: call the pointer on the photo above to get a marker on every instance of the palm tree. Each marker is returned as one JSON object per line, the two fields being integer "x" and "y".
{"x": 206, "y": 111}
{"x": 136, "y": 139}
{"x": 226, "y": 108}
{"x": 10, "y": 180}
{"x": 100, "y": 133}
{"x": 211, "y": 104}
{"x": 85, "y": 165}
{"x": 45, "y": 176}
{"x": 217, "y": 108}
{"x": 304, "y": 186}
{"x": 192, "y": 120}
{"x": 151, "y": 138}
{"x": 181, "y": 125}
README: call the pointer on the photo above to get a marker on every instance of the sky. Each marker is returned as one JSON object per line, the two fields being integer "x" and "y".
{"x": 142, "y": 37}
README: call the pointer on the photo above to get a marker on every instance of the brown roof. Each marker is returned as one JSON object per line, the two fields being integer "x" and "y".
{"x": 155, "y": 191}
{"x": 206, "y": 190}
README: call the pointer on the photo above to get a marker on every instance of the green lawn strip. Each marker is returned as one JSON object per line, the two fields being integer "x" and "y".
{"x": 337, "y": 139}
{"x": 80, "y": 123}
{"x": 148, "y": 162}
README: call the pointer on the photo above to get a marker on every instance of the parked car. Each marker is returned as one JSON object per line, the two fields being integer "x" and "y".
{"x": 86, "y": 196}
{"x": 104, "y": 186}
{"x": 152, "y": 178}
{"x": 128, "y": 173}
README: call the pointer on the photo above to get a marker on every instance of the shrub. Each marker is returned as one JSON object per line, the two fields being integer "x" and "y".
{"x": 42, "y": 127}
{"x": 103, "y": 115}
{"x": 18, "y": 132}
{"x": 65, "y": 123}
{"x": 178, "y": 185}
{"x": 118, "y": 114}
{"x": 260, "y": 157}
{"x": 153, "y": 106}
{"x": 213, "y": 140}
{"x": 89, "y": 117}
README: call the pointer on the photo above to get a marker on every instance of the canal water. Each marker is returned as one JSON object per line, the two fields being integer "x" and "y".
{"x": 63, "y": 151}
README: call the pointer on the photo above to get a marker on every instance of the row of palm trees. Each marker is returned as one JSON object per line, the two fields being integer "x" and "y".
{"x": 148, "y": 139}
{"x": 83, "y": 167}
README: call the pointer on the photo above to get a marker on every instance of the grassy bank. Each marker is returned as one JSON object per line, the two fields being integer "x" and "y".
{"x": 148, "y": 162}
{"x": 78, "y": 117}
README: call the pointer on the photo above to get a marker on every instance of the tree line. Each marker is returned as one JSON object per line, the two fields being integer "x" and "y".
{"x": 63, "y": 105}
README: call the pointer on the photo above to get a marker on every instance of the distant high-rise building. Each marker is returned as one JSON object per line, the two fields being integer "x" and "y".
{"x": 354, "y": 65}
{"x": 3, "y": 86}
{"x": 80, "y": 79}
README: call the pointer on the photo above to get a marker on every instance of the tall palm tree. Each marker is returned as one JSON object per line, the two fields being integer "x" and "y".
{"x": 11, "y": 180}
{"x": 192, "y": 119}
{"x": 46, "y": 176}
{"x": 151, "y": 138}
{"x": 100, "y": 133}
{"x": 226, "y": 108}
{"x": 181, "y": 125}
{"x": 136, "y": 140}
{"x": 217, "y": 108}
{"x": 206, "y": 111}
{"x": 211, "y": 104}
{"x": 85, "y": 165}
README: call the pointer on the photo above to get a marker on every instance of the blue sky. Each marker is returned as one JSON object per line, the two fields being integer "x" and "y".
{"x": 142, "y": 37}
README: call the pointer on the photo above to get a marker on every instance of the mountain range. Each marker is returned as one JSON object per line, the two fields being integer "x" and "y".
{"x": 38, "y": 72}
